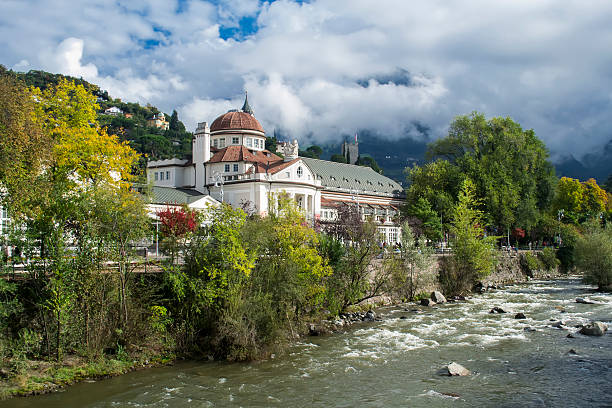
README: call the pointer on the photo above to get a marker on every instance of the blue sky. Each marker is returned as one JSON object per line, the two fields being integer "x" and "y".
{"x": 323, "y": 69}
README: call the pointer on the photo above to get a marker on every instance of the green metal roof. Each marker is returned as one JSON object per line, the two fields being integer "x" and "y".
{"x": 170, "y": 195}
{"x": 345, "y": 177}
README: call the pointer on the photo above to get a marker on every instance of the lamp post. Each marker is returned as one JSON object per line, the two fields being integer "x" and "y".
{"x": 218, "y": 182}
{"x": 559, "y": 216}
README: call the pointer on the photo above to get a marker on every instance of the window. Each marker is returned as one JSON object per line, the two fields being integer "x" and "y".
{"x": 161, "y": 175}
{"x": 249, "y": 142}
{"x": 156, "y": 176}
{"x": 221, "y": 143}
{"x": 300, "y": 171}
{"x": 227, "y": 168}
{"x": 235, "y": 140}
{"x": 215, "y": 143}
{"x": 236, "y": 167}
{"x": 167, "y": 175}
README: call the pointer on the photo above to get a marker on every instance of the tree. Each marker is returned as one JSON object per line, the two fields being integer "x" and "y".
{"x": 579, "y": 200}
{"x": 315, "y": 151}
{"x": 175, "y": 124}
{"x": 509, "y": 167}
{"x": 177, "y": 226}
{"x": 473, "y": 252}
{"x": 25, "y": 150}
{"x": 414, "y": 259}
{"x": 352, "y": 280}
{"x": 430, "y": 224}
{"x": 593, "y": 255}
{"x": 367, "y": 161}
{"x": 83, "y": 153}
{"x": 338, "y": 158}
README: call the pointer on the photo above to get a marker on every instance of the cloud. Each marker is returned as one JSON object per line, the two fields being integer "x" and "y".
{"x": 319, "y": 70}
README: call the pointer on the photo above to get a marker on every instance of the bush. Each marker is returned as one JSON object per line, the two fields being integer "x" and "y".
{"x": 593, "y": 254}
{"x": 530, "y": 263}
{"x": 548, "y": 259}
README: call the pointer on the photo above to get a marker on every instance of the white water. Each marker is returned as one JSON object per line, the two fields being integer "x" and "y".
{"x": 393, "y": 363}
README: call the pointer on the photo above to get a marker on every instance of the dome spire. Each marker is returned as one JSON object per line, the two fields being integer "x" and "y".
{"x": 246, "y": 107}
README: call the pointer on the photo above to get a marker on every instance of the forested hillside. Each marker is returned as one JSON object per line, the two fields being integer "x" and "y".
{"x": 131, "y": 125}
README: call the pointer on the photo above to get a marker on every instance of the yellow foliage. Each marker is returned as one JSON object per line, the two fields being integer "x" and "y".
{"x": 82, "y": 150}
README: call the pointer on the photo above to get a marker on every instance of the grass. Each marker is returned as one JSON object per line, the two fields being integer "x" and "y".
{"x": 41, "y": 377}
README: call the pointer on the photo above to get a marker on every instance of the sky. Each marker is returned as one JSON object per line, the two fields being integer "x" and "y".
{"x": 323, "y": 69}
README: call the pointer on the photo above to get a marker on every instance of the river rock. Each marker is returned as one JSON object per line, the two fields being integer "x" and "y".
{"x": 454, "y": 369}
{"x": 585, "y": 301}
{"x": 313, "y": 330}
{"x": 529, "y": 329}
{"x": 369, "y": 316}
{"x": 558, "y": 325}
{"x": 520, "y": 315}
{"x": 497, "y": 310}
{"x": 572, "y": 351}
{"x": 427, "y": 302}
{"x": 437, "y": 297}
{"x": 570, "y": 336}
{"x": 594, "y": 329}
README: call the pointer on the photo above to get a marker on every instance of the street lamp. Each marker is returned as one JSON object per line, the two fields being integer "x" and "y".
{"x": 559, "y": 216}
{"x": 218, "y": 182}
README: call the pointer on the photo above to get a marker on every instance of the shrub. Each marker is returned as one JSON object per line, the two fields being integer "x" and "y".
{"x": 530, "y": 263}
{"x": 548, "y": 259}
{"x": 593, "y": 254}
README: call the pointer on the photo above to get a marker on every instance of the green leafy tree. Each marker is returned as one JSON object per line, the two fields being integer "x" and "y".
{"x": 430, "y": 223}
{"x": 368, "y": 161}
{"x": 593, "y": 255}
{"x": 473, "y": 252}
{"x": 338, "y": 158}
{"x": 509, "y": 166}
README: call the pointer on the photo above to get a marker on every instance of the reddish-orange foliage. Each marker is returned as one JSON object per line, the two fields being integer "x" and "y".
{"x": 177, "y": 222}
{"x": 518, "y": 233}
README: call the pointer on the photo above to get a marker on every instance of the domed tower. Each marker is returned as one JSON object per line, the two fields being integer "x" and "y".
{"x": 238, "y": 128}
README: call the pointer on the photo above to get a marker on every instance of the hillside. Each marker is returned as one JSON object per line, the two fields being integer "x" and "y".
{"x": 131, "y": 124}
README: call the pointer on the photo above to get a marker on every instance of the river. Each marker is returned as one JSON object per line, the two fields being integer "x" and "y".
{"x": 394, "y": 362}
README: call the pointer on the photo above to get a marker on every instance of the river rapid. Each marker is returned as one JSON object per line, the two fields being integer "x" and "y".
{"x": 394, "y": 362}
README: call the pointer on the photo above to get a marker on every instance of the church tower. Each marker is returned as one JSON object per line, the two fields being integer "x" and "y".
{"x": 350, "y": 151}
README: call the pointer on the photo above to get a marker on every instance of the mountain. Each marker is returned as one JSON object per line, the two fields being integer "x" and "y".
{"x": 597, "y": 165}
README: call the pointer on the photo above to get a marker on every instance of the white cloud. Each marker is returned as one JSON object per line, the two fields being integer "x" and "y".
{"x": 322, "y": 69}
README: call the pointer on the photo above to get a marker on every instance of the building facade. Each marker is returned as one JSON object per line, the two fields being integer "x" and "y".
{"x": 231, "y": 164}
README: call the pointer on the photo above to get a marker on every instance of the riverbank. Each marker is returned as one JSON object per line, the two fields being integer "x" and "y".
{"x": 36, "y": 377}
{"x": 395, "y": 361}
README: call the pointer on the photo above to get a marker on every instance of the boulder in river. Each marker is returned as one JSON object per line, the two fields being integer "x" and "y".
{"x": 454, "y": 369}
{"x": 369, "y": 316}
{"x": 497, "y": 310}
{"x": 313, "y": 330}
{"x": 520, "y": 315}
{"x": 594, "y": 329}
{"x": 559, "y": 324}
{"x": 427, "y": 302}
{"x": 585, "y": 301}
{"x": 437, "y": 297}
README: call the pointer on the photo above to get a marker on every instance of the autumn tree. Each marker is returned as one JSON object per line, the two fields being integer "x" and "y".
{"x": 579, "y": 201}
{"x": 25, "y": 151}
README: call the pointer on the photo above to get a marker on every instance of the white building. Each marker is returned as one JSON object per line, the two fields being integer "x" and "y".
{"x": 113, "y": 111}
{"x": 230, "y": 163}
